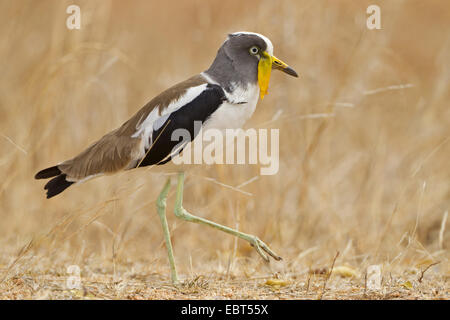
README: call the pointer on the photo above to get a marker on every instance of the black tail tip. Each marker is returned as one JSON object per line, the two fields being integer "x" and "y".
{"x": 57, "y": 185}
{"x": 48, "y": 173}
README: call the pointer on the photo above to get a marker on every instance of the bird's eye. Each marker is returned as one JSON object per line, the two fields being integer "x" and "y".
{"x": 254, "y": 50}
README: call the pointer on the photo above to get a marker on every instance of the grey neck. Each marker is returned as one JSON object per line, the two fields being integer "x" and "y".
{"x": 227, "y": 74}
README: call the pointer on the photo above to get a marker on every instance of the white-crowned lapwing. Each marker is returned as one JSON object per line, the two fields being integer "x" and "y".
{"x": 224, "y": 96}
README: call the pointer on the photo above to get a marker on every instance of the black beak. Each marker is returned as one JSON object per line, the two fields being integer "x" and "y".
{"x": 290, "y": 71}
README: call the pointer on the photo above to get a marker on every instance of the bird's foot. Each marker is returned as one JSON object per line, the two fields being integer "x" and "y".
{"x": 263, "y": 248}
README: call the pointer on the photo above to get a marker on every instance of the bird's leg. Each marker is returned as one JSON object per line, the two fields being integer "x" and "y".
{"x": 161, "y": 207}
{"x": 181, "y": 213}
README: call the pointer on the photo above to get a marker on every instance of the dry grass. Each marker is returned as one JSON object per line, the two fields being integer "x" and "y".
{"x": 369, "y": 178}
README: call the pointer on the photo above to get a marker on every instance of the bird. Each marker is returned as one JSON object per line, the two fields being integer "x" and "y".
{"x": 223, "y": 96}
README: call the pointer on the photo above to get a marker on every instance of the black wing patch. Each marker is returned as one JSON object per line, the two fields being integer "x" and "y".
{"x": 199, "y": 109}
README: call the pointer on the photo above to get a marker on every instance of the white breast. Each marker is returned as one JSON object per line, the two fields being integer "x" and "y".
{"x": 228, "y": 116}
{"x": 234, "y": 114}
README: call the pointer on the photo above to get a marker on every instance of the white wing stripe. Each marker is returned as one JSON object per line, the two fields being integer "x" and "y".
{"x": 156, "y": 119}
{"x": 190, "y": 95}
{"x": 160, "y": 121}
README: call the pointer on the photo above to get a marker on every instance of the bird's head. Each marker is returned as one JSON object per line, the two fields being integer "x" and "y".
{"x": 252, "y": 53}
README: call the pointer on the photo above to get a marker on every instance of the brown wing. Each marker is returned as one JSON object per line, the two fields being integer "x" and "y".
{"x": 108, "y": 155}
{"x": 117, "y": 150}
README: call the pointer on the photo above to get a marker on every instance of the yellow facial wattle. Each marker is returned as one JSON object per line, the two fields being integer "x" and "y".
{"x": 264, "y": 70}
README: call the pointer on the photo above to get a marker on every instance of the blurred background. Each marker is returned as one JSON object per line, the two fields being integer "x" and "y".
{"x": 364, "y": 137}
